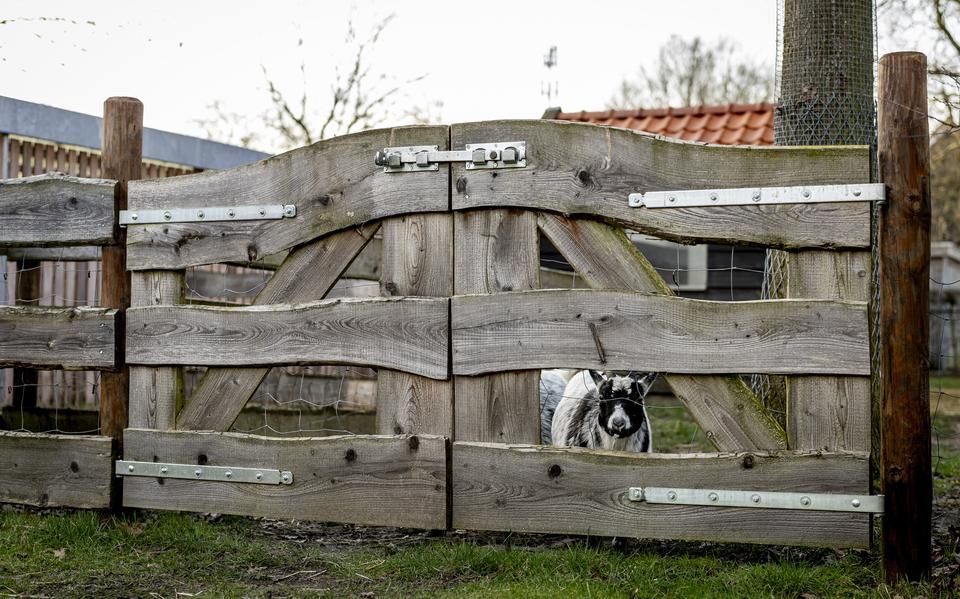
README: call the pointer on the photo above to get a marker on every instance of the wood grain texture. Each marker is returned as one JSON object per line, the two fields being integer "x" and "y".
{"x": 903, "y": 147}
{"x": 417, "y": 261}
{"x": 386, "y": 481}
{"x": 155, "y": 392}
{"x": 408, "y": 334}
{"x": 80, "y": 253}
{"x": 829, "y": 413}
{"x": 55, "y": 470}
{"x": 730, "y": 414}
{"x": 334, "y": 184}
{"x": 55, "y": 209}
{"x": 497, "y": 251}
{"x": 575, "y": 491}
{"x": 79, "y": 338}
{"x": 576, "y": 168}
{"x": 307, "y": 273}
{"x": 550, "y": 328}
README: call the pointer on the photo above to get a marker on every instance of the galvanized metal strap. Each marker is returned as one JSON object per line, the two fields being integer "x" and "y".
{"x": 823, "y": 502}
{"x": 207, "y": 214}
{"x": 257, "y": 476}
{"x": 750, "y": 196}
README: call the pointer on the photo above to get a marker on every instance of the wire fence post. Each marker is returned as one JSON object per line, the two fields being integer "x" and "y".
{"x": 904, "y": 261}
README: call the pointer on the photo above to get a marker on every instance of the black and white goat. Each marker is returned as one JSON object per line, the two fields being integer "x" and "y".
{"x": 604, "y": 411}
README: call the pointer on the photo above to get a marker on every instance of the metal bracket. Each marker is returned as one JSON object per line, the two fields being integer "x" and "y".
{"x": 750, "y": 196}
{"x": 256, "y": 476}
{"x": 209, "y": 213}
{"x": 494, "y": 155}
{"x": 822, "y": 502}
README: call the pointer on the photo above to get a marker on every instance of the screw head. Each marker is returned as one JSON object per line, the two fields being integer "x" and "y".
{"x": 806, "y": 193}
{"x": 285, "y": 477}
{"x": 493, "y": 154}
{"x": 713, "y": 497}
{"x": 259, "y": 475}
{"x": 163, "y": 470}
{"x": 231, "y": 213}
{"x": 856, "y": 193}
{"x": 755, "y": 498}
{"x": 167, "y": 216}
{"x": 672, "y": 495}
{"x": 756, "y": 196}
{"x": 855, "y": 503}
{"x": 197, "y": 472}
{"x": 672, "y": 199}
{"x": 131, "y": 468}
{"x": 134, "y": 216}
{"x": 713, "y": 197}
{"x": 262, "y": 212}
{"x": 804, "y": 500}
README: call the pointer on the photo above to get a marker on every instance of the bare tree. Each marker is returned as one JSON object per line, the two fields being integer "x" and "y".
{"x": 692, "y": 72}
{"x": 360, "y": 98}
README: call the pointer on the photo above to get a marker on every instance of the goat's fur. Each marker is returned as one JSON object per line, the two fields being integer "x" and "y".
{"x": 552, "y": 385}
{"x": 604, "y": 411}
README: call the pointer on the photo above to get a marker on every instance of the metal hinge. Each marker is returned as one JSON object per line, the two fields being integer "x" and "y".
{"x": 507, "y": 154}
{"x": 749, "y": 196}
{"x": 207, "y": 214}
{"x": 823, "y": 502}
{"x": 256, "y": 476}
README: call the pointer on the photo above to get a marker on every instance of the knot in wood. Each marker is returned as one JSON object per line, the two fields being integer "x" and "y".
{"x": 554, "y": 471}
{"x": 351, "y": 455}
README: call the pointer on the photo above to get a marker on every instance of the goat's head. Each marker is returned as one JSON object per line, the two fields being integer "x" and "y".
{"x": 621, "y": 400}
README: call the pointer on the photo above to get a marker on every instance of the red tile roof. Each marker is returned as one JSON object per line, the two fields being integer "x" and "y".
{"x": 728, "y": 124}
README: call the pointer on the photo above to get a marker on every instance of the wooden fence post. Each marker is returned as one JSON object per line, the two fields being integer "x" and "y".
{"x": 904, "y": 167}
{"x": 122, "y": 156}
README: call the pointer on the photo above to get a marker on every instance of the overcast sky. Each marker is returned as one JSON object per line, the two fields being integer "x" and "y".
{"x": 482, "y": 60}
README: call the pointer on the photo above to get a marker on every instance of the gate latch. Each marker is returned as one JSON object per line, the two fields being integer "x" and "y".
{"x": 493, "y": 155}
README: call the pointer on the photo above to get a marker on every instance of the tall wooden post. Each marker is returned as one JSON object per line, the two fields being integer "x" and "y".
{"x": 122, "y": 156}
{"x": 904, "y": 167}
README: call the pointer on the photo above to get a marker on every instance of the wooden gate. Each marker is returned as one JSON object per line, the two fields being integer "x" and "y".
{"x": 463, "y": 328}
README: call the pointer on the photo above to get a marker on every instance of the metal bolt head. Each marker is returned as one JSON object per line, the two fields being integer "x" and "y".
{"x": 856, "y": 193}
{"x": 163, "y": 470}
{"x": 806, "y": 193}
{"x": 262, "y": 212}
{"x": 259, "y": 475}
{"x": 493, "y": 154}
{"x": 713, "y": 497}
{"x": 672, "y": 495}
{"x": 199, "y": 213}
{"x": 855, "y": 503}
{"x": 756, "y": 196}
{"x": 285, "y": 478}
{"x": 228, "y": 474}
{"x": 167, "y": 215}
{"x": 197, "y": 472}
{"x": 131, "y": 468}
{"x": 134, "y": 216}
{"x": 635, "y": 493}
{"x": 755, "y": 498}
{"x": 290, "y": 210}
{"x": 714, "y": 197}
{"x": 231, "y": 213}
{"x": 672, "y": 199}
{"x": 805, "y": 501}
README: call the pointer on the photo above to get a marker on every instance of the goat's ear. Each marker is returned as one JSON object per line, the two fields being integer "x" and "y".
{"x": 644, "y": 380}
{"x": 597, "y": 377}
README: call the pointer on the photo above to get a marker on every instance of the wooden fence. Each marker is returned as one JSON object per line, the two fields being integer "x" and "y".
{"x": 464, "y": 323}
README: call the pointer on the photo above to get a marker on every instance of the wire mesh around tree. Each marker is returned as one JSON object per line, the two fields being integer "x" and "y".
{"x": 826, "y": 68}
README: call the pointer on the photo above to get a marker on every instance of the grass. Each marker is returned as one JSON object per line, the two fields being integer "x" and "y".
{"x": 86, "y": 554}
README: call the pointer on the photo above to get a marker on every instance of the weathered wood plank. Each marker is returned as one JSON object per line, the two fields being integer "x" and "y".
{"x": 80, "y": 253}
{"x": 55, "y": 470}
{"x": 408, "y": 334}
{"x": 729, "y": 413}
{"x": 334, "y": 184}
{"x": 497, "y": 250}
{"x": 417, "y": 261}
{"x": 387, "y": 481}
{"x": 552, "y": 328}
{"x": 79, "y": 338}
{"x": 56, "y": 209}
{"x": 575, "y": 491}
{"x": 155, "y": 392}
{"x": 222, "y": 393}
{"x": 576, "y": 168}
{"x": 829, "y": 413}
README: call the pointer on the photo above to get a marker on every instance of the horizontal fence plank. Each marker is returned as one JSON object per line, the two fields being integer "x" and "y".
{"x": 56, "y": 209}
{"x": 80, "y": 253}
{"x": 576, "y": 491}
{"x": 576, "y": 168}
{"x": 387, "y": 481}
{"x": 55, "y": 470}
{"x": 611, "y": 330}
{"x": 77, "y": 338}
{"x": 408, "y": 334}
{"x": 333, "y": 183}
